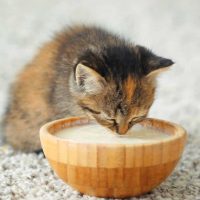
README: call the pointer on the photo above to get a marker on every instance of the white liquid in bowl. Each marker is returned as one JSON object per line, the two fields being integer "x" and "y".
{"x": 95, "y": 133}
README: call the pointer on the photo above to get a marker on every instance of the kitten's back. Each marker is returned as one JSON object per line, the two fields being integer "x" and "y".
{"x": 31, "y": 105}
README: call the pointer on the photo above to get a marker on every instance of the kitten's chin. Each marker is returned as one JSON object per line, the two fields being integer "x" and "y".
{"x": 113, "y": 132}
{"x": 117, "y": 134}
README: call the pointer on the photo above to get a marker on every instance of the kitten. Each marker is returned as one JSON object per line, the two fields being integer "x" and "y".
{"x": 82, "y": 71}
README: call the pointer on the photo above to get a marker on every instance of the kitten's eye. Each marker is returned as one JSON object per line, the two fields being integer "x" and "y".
{"x": 136, "y": 119}
{"x": 112, "y": 120}
{"x": 91, "y": 110}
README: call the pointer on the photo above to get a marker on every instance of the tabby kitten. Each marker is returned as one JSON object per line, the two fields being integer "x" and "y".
{"x": 82, "y": 71}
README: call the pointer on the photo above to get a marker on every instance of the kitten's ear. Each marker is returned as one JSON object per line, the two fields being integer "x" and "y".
{"x": 88, "y": 80}
{"x": 153, "y": 64}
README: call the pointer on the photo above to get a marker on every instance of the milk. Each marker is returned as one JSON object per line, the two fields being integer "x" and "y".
{"x": 95, "y": 133}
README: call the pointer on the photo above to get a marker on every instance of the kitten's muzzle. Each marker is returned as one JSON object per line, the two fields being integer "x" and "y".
{"x": 121, "y": 129}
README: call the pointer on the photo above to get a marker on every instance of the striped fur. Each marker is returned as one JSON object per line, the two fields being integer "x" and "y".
{"x": 117, "y": 90}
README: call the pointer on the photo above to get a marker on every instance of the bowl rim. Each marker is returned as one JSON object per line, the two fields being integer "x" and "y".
{"x": 178, "y": 133}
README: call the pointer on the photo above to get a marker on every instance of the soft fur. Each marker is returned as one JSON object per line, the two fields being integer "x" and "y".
{"x": 82, "y": 71}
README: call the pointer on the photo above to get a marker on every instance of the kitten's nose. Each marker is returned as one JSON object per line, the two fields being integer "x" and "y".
{"x": 122, "y": 129}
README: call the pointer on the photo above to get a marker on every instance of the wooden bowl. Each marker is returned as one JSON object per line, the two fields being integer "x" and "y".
{"x": 112, "y": 170}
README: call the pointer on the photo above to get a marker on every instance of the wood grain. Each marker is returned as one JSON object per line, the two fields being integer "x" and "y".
{"x": 113, "y": 170}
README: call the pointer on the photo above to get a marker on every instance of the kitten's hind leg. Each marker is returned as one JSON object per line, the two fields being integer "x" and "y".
{"x": 22, "y": 136}
{"x": 21, "y": 127}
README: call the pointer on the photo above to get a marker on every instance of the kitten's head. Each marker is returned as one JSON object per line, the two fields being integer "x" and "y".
{"x": 116, "y": 86}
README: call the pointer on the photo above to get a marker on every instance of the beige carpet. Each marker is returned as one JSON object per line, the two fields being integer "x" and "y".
{"x": 170, "y": 28}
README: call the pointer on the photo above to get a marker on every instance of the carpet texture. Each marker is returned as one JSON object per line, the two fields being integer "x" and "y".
{"x": 170, "y": 28}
